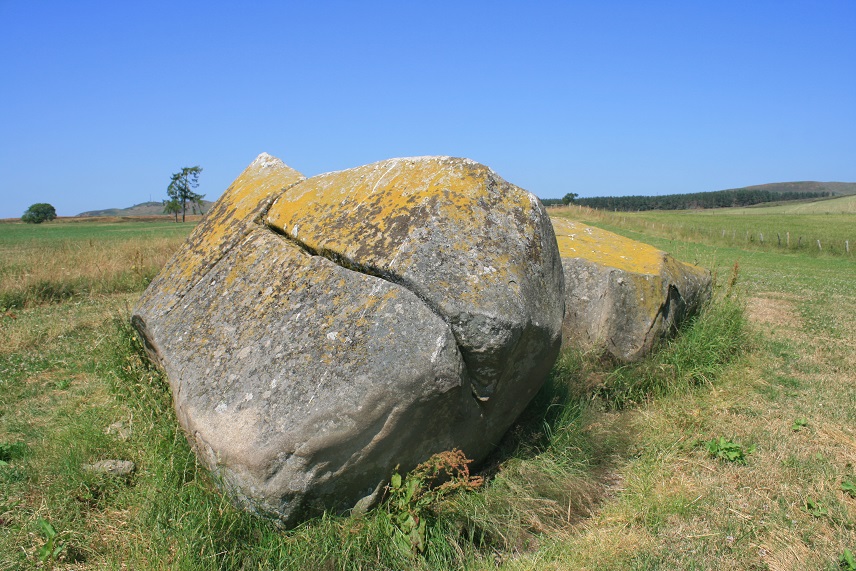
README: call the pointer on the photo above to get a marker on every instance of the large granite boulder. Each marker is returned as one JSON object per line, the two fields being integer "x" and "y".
{"x": 336, "y": 327}
{"x": 623, "y": 296}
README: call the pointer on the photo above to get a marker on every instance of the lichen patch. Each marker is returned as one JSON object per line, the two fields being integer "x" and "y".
{"x": 577, "y": 240}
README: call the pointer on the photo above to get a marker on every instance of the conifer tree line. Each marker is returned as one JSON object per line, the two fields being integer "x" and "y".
{"x": 715, "y": 199}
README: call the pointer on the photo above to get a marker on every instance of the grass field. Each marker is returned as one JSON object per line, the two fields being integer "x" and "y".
{"x": 840, "y": 205}
{"x": 74, "y": 258}
{"x": 788, "y": 227}
{"x": 611, "y": 467}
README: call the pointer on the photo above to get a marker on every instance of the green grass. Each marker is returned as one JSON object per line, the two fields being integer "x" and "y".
{"x": 770, "y": 229}
{"x": 607, "y": 469}
{"x": 696, "y": 357}
{"x": 840, "y": 205}
{"x": 16, "y": 236}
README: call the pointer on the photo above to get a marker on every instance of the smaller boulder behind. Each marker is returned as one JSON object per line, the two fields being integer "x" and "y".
{"x": 623, "y": 296}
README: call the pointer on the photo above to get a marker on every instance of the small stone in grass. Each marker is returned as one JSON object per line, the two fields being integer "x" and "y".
{"x": 120, "y": 429}
{"x": 111, "y": 467}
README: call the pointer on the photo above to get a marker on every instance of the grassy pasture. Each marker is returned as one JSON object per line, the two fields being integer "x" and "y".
{"x": 840, "y": 205}
{"x": 788, "y": 227}
{"x": 610, "y": 468}
{"x": 67, "y": 259}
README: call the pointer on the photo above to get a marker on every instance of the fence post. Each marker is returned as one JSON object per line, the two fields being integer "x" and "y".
{"x": 779, "y": 239}
{"x": 819, "y": 249}
{"x": 788, "y": 237}
{"x": 761, "y": 237}
{"x": 799, "y": 242}
{"x": 847, "y": 245}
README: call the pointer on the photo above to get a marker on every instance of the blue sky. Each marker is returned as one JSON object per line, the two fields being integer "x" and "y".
{"x": 102, "y": 101}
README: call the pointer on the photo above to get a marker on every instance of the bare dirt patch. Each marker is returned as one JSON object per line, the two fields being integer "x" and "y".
{"x": 774, "y": 309}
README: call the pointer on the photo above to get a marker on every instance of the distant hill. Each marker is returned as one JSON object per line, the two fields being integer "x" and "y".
{"x": 744, "y": 196}
{"x": 836, "y": 205}
{"x": 142, "y": 209}
{"x": 833, "y": 188}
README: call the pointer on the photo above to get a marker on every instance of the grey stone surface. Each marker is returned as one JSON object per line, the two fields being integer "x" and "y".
{"x": 622, "y": 296}
{"x": 122, "y": 430}
{"x": 304, "y": 372}
{"x": 112, "y": 467}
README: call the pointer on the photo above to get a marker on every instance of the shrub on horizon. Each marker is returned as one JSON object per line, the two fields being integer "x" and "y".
{"x": 38, "y": 213}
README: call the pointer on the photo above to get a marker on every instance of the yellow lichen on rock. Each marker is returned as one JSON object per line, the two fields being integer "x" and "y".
{"x": 478, "y": 250}
{"x": 370, "y": 213}
{"x": 262, "y": 181}
{"x": 577, "y": 240}
{"x": 224, "y": 225}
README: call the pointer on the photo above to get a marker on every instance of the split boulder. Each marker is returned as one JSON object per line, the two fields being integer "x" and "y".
{"x": 319, "y": 332}
{"x": 623, "y": 296}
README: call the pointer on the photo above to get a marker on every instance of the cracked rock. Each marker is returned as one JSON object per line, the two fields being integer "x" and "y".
{"x": 319, "y": 332}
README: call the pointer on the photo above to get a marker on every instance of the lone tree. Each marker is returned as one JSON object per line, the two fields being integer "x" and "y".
{"x": 171, "y": 207}
{"x": 181, "y": 187}
{"x": 569, "y": 198}
{"x": 38, "y": 213}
